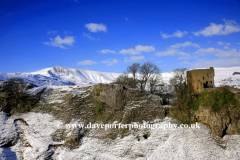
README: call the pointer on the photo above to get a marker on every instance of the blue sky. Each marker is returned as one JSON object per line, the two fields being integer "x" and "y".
{"x": 104, "y": 35}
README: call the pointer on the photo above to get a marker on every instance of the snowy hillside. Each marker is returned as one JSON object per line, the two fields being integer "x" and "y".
{"x": 60, "y": 76}
{"x": 224, "y": 76}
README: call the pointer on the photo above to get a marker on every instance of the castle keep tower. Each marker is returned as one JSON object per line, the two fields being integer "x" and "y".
{"x": 199, "y": 79}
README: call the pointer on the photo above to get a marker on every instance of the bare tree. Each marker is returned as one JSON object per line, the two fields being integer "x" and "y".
{"x": 120, "y": 80}
{"x": 125, "y": 73}
{"x": 179, "y": 84}
{"x": 133, "y": 69}
{"x": 147, "y": 70}
{"x": 154, "y": 81}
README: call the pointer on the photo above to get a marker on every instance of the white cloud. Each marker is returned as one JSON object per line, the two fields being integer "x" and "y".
{"x": 107, "y": 51}
{"x": 89, "y": 36}
{"x": 94, "y": 27}
{"x": 220, "y": 43}
{"x": 87, "y": 62}
{"x": 237, "y": 43}
{"x": 219, "y": 52}
{"x": 52, "y": 32}
{"x": 226, "y": 47}
{"x": 59, "y": 42}
{"x": 223, "y": 43}
{"x": 151, "y": 58}
{"x": 127, "y": 19}
{"x": 67, "y": 32}
{"x": 228, "y": 27}
{"x": 172, "y": 52}
{"x": 178, "y": 34}
{"x": 133, "y": 58}
{"x": 218, "y": 63}
{"x": 186, "y": 44}
{"x": 137, "y": 50}
{"x": 145, "y": 48}
{"x": 110, "y": 62}
{"x": 129, "y": 51}
{"x": 186, "y": 62}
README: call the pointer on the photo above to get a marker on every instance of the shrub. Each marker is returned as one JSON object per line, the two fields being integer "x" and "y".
{"x": 230, "y": 98}
{"x": 194, "y": 104}
{"x": 185, "y": 118}
{"x": 99, "y": 109}
{"x": 216, "y": 107}
{"x": 16, "y": 98}
{"x": 216, "y": 100}
{"x": 98, "y": 91}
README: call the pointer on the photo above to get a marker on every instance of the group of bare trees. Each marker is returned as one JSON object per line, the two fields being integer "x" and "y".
{"x": 148, "y": 77}
{"x": 145, "y": 76}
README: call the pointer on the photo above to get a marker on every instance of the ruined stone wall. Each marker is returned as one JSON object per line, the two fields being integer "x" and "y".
{"x": 199, "y": 79}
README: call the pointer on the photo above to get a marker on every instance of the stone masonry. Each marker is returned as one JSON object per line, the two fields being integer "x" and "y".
{"x": 199, "y": 79}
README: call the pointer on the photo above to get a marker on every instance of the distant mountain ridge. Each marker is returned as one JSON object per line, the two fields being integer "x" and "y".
{"x": 60, "y": 76}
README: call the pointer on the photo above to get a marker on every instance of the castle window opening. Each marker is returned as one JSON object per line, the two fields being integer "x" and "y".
{"x": 205, "y": 85}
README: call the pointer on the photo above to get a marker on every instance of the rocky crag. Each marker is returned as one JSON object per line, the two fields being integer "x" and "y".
{"x": 219, "y": 108}
{"x": 101, "y": 103}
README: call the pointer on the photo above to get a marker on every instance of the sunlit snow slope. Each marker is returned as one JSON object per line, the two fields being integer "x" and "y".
{"x": 63, "y": 76}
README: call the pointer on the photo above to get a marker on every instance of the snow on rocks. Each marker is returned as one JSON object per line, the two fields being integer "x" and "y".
{"x": 33, "y": 133}
{"x": 8, "y": 133}
{"x": 180, "y": 143}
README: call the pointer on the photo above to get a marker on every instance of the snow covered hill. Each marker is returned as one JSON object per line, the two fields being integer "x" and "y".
{"x": 60, "y": 76}
{"x": 224, "y": 76}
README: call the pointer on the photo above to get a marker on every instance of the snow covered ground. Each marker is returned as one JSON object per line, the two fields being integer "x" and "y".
{"x": 162, "y": 144}
{"x": 177, "y": 143}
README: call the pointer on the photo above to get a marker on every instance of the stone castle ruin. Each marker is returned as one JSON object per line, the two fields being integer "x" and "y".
{"x": 199, "y": 79}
